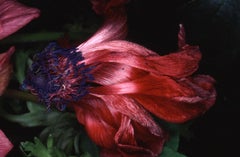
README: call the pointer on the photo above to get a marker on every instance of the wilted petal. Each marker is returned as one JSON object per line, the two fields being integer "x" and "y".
{"x": 5, "y": 69}
{"x": 134, "y": 140}
{"x": 181, "y": 36}
{"x": 116, "y": 133}
{"x": 181, "y": 109}
{"x": 129, "y": 107}
{"x": 178, "y": 64}
{"x": 100, "y": 124}
{"x": 111, "y": 73}
{"x": 169, "y": 99}
{"x": 163, "y": 86}
{"x": 14, "y": 16}
{"x": 203, "y": 86}
{"x": 5, "y": 145}
{"x": 113, "y": 28}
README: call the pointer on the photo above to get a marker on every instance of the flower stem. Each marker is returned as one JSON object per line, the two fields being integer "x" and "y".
{"x": 43, "y": 36}
{"x": 13, "y": 93}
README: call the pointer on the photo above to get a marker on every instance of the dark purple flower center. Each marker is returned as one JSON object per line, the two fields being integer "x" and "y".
{"x": 58, "y": 76}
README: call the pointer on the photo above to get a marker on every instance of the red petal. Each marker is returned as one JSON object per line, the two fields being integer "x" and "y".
{"x": 112, "y": 73}
{"x": 180, "y": 64}
{"x": 5, "y": 145}
{"x": 181, "y": 109}
{"x": 134, "y": 140}
{"x": 115, "y": 133}
{"x": 181, "y": 37}
{"x": 113, "y": 28}
{"x": 14, "y": 16}
{"x": 99, "y": 122}
{"x": 169, "y": 99}
{"x": 129, "y": 107}
{"x": 5, "y": 69}
{"x": 150, "y": 85}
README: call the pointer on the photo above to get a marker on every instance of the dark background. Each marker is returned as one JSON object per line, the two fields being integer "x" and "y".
{"x": 214, "y": 25}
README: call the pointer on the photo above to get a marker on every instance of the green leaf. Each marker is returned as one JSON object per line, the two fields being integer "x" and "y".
{"x": 69, "y": 136}
{"x": 37, "y": 116}
{"x": 20, "y": 65}
{"x": 38, "y": 149}
{"x": 88, "y": 146}
{"x": 32, "y": 37}
{"x": 46, "y": 36}
{"x": 175, "y": 131}
{"x": 169, "y": 152}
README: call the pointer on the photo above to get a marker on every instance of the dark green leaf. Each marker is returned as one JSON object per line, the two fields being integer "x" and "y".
{"x": 168, "y": 152}
{"x": 20, "y": 65}
{"x": 38, "y": 149}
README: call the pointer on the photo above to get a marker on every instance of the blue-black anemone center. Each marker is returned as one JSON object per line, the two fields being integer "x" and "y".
{"x": 58, "y": 76}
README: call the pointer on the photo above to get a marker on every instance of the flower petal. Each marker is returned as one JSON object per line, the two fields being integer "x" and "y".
{"x": 5, "y": 69}
{"x": 135, "y": 140}
{"x": 14, "y": 16}
{"x": 181, "y": 37}
{"x": 129, "y": 107}
{"x": 116, "y": 133}
{"x": 178, "y": 64}
{"x": 113, "y": 28}
{"x": 181, "y": 109}
{"x": 5, "y": 144}
{"x": 163, "y": 86}
{"x": 170, "y": 99}
{"x": 99, "y": 122}
{"x": 112, "y": 73}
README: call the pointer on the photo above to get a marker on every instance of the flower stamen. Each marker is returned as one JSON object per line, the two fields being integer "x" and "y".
{"x": 58, "y": 76}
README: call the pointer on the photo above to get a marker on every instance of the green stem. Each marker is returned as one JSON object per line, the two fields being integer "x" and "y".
{"x": 43, "y": 36}
{"x": 13, "y": 93}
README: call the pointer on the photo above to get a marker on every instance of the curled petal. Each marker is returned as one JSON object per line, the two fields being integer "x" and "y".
{"x": 169, "y": 99}
{"x": 14, "y": 16}
{"x": 116, "y": 133}
{"x": 178, "y": 64}
{"x": 100, "y": 124}
{"x": 203, "y": 86}
{"x": 114, "y": 28}
{"x": 5, "y": 69}
{"x": 181, "y": 109}
{"x": 129, "y": 107}
{"x": 134, "y": 140}
{"x": 181, "y": 37}
{"x": 5, "y": 144}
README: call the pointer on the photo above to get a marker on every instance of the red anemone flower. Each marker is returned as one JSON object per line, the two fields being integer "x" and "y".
{"x": 5, "y": 145}
{"x": 114, "y": 86}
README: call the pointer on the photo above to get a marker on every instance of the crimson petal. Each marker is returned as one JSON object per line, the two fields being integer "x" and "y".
{"x": 5, "y": 69}
{"x": 5, "y": 144}
{"x": 13, "y": 16}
